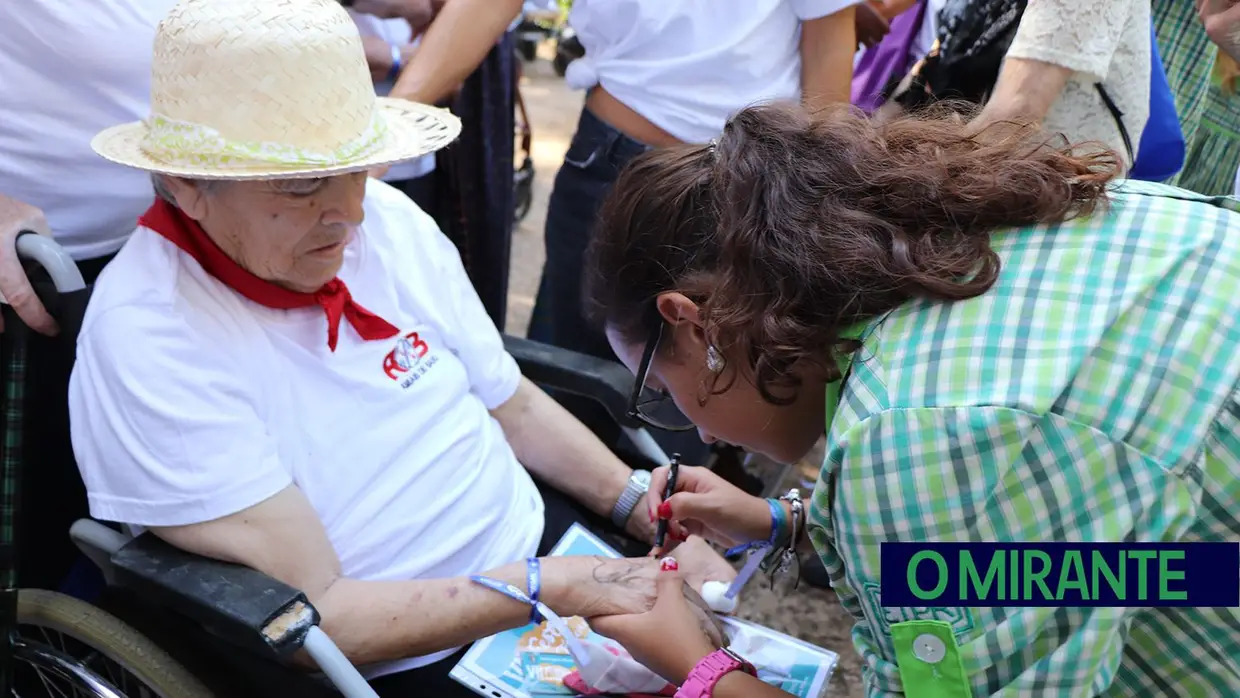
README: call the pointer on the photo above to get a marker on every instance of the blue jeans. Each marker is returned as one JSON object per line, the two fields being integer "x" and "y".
{"x": 594, "y": 160}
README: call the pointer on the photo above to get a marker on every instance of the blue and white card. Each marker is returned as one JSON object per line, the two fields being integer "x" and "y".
{"x": 532, "y": 660}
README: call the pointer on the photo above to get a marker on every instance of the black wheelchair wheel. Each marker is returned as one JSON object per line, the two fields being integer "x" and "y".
{"x": 66, "y": 647}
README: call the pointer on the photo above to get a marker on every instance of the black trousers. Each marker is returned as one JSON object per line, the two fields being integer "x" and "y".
{"x": 232, "y": 673}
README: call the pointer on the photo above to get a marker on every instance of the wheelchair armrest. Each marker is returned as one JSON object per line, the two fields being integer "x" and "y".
{"x": 239, "y": 604}
{"x": 607, "y": 382}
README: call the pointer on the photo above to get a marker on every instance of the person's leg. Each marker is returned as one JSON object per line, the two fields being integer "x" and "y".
{"x": 594, "y": 159}
{"x": 479, "y": 170}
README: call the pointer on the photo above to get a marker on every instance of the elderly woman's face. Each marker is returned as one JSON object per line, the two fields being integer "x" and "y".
{"x": 291, "y": 232}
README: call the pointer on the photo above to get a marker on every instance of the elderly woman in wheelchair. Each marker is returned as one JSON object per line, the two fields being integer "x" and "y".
{"x": 287, "y": 368}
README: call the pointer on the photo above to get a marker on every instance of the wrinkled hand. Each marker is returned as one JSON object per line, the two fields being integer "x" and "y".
{"x": 1222, "y": 22}
{"x": 872, "y": 26}
{"x": 672, "y": 637}
{"x": 706, "y": 505}
{"x": 16, "y": 216}
{"x": 589, "y": 586}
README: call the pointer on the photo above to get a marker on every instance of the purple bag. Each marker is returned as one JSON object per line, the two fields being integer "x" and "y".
{"x": 887, "y": 59}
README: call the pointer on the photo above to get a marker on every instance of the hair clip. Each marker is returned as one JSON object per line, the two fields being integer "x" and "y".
{"x": 710, "y": 147}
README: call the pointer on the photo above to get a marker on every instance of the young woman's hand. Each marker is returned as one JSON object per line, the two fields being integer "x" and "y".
{"x": 671, "y": 638}
{"x": 706, "y": 505}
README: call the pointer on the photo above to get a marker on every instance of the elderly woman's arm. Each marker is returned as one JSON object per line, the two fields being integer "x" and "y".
{"x": 553, "y": 444}
{"x": 373, "y": 621}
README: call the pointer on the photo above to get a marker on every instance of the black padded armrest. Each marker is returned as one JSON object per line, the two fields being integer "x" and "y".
{"x": 607, "y": 382}
{"x": 240, "y": 605}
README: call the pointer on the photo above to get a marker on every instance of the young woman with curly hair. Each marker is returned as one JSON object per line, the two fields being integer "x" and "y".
{"x": 1001, "y": 342}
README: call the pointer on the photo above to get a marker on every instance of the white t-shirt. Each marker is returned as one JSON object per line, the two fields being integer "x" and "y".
{"x": 688, "y": 65}
{"x": 67, "y": 71}
{"x": 396, "y": 32}
{"x": 190, "y": 402}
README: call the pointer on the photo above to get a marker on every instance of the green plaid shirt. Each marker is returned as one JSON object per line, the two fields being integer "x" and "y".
{"x": 1090, "y": 395}
{"x": 1188, "y": 57}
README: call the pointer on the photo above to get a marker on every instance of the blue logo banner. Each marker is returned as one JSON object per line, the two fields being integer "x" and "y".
{"x": 980, "y": 575}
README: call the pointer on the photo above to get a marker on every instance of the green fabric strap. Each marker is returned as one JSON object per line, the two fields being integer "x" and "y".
{"x": 929, "y": 660}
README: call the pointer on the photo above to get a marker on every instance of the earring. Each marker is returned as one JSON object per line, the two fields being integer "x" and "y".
{"x": 715, "y": 362}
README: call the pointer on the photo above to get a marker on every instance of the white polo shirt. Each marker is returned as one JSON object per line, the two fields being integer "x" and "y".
{"x": 67, "y": 71}
{"x": 688, "y": 65}
{"x": 189, "y": 402}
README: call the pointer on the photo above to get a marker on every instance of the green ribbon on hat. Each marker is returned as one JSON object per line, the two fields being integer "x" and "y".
{"x": 188, "y": 144}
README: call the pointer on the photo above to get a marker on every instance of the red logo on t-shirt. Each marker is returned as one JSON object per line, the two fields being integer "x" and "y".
{"x": 409, "y": 350}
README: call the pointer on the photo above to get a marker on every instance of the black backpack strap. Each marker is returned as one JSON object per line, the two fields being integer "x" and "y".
{"x": 1119, "y": 119}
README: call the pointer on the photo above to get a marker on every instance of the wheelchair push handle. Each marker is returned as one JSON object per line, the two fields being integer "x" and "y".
{"x": 50, "y": 255}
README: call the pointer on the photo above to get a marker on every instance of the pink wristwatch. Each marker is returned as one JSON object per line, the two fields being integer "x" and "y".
{"x": 701, "y": 681}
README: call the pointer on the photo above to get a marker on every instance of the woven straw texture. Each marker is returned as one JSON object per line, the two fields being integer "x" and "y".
{"x": 278, "y": 88}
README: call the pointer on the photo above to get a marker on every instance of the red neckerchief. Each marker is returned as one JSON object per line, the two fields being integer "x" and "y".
{"x": 184, "y": 232}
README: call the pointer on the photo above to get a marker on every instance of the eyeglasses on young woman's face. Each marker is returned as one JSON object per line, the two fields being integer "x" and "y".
{"x": 654, "y": 408}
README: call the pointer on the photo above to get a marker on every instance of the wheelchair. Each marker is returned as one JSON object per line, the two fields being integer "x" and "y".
{"x": 260, "y": 617}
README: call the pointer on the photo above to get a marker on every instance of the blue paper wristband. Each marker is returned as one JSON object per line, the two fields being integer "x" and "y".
{"x": 533, "y": 585}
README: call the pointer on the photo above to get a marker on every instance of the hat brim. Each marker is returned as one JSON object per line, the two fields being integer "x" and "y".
{"x": 413, "y": 130}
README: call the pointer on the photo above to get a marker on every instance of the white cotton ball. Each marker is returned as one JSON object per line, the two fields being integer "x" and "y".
{"x": 714, "y": 594}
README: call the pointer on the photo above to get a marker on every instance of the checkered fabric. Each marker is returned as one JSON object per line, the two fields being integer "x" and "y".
{"x": 1214, "y": 151}
{"x": 13, "y": 378}
{"x": 1090, "y": 395}
{"x": 1188, "y": 57}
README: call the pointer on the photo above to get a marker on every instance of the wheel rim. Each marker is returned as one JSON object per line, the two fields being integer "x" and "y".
{"x": 81, "y": 662}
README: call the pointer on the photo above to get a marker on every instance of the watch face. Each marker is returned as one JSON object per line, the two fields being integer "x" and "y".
{"x": 642, "y": 477}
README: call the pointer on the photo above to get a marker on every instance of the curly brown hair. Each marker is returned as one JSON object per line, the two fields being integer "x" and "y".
{"x": 794, "y": 227}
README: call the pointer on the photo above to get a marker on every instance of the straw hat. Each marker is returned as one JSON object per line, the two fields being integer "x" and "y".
{"x": 263, "y": 89}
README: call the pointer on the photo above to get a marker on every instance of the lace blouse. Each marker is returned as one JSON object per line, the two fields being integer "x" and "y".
{"x": 1105, "y": 41}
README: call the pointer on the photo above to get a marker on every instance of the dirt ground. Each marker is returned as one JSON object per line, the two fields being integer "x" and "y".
{"x": 810, "y": 614}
